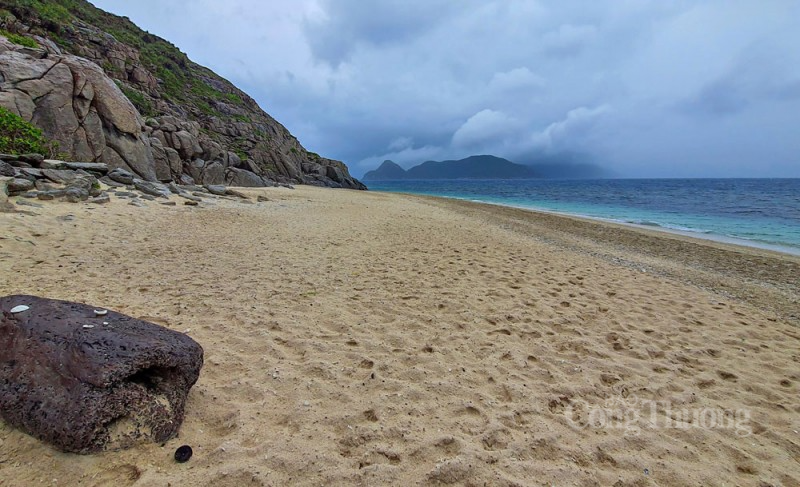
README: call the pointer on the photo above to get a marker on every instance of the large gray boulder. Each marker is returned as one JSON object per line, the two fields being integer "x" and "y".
{"x": 19, "y": 185}
{"x": 153, "y": 189}
{"x": 243, "y": 178}
{"x": 76, "y": 104}
{"x": 87, "y": 383}
{"x": 7, "y": 169}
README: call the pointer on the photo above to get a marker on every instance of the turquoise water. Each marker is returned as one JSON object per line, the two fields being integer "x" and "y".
{"x": 757, "y": 212}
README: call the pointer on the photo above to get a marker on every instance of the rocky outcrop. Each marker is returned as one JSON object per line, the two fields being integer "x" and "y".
{"x": 75, "y": 104}
{"x": 87, "y": 381}
{"x": 134, "y": 101}
{"x": 30, "y": 176}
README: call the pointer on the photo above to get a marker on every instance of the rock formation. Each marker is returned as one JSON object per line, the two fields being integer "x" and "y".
{"x": 77, "y": 105}
{"x": 108, "y": 92}
{"x": 31, "y": 176}
{"x": 88, "y": 381}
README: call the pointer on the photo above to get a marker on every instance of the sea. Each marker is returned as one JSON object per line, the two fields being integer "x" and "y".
{"x": 762, "y": 213}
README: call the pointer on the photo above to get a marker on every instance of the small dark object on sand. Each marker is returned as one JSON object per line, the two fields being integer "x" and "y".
{"x": 183, "y": 454}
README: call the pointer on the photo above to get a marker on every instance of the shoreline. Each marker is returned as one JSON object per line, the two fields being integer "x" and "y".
{"x": 708, "y": 236}
{"x": 763, "y": 277}
{"x": 364, "y": 338}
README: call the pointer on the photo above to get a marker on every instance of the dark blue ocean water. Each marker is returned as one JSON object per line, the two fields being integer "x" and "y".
{"x": 759, "y": 212}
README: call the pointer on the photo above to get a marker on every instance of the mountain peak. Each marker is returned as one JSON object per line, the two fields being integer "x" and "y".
{"x": 474, "y": 167}
{"x": 388, "y": 170}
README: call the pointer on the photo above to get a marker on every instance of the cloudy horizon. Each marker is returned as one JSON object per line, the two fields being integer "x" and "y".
{"x": 642, "y": 88}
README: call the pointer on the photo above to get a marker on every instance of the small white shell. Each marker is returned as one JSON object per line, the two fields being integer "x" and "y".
{"x": 100, "y": 312}
{"x": 88, "y": 326}
{"x": 19, "y": 309}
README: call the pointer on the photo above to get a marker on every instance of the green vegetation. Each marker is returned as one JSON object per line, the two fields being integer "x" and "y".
{"x": 200, "y": 88}
{"x": 204, "y": 91}
{"x": 139, "y": 100}
{"x": 173, "y": 85}
{"x": 162, "y": 54}
{"x": 18, "y": 39}
{"x": 234, "y": 98}
{"x": 205, "y": 107}
{"x": 293, "y": 150}
{"x": 240, "y": 147}
{"x": 50, "y": 12}
{"x": 109, "y": 68}
{"x": 20, "y": 137}
{"x": 55, "y": 15}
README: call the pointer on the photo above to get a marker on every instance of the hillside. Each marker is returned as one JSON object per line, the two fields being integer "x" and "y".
{"x": 194, "y": 123}
{"x": 474, "y": 167}
{"x": 387, "y": 171}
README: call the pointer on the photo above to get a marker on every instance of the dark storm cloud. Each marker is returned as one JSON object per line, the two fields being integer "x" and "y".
{"x": 348, "y": 24}
{"x": 645, "y": 87}
{"x": 721, "y": 97}
{"x": 758, "y": 76}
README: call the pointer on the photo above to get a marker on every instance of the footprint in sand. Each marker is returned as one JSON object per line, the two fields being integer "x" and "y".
{"x": 705, "y": 384}
{"x": 119, "y": 475}
{"x": 448, "y": 445}
{"x": 609, "y": 379}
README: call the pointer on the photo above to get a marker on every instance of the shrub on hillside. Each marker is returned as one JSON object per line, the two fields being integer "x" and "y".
{"x": 20, "y": 137}
{"x": 18, "y": 39}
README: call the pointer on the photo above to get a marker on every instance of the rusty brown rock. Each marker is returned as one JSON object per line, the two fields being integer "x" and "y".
{"x": 87, "y": 383}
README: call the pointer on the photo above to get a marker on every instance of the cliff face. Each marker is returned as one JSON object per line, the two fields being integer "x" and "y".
{"x": 107, "y": 91}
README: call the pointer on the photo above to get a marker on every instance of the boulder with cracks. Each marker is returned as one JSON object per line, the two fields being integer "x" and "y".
{"x": 77, "y": 105}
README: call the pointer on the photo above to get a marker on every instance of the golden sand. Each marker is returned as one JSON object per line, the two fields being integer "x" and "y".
{"x": 377, "y": 339}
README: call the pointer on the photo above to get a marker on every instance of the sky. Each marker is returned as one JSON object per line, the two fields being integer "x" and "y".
{"x": 644, "y": 88}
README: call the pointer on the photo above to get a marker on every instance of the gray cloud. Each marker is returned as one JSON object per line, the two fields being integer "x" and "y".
{"x": 758, "y": 75}
{"x": 646, "y": 88}
{"x": 344, "y": 25}
{"x": 487, "y": 127}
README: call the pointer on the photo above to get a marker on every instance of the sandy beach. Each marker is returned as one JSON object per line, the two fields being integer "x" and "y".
{"x": 381, "y": 339}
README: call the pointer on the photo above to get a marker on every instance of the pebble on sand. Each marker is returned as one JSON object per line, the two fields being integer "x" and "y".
{"x": 183, "y": 454}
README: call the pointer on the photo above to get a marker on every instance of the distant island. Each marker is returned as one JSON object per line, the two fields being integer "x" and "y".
{"x": 485, "y": 167}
